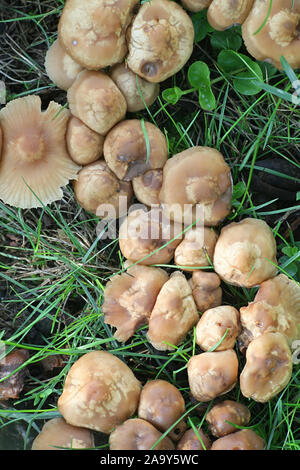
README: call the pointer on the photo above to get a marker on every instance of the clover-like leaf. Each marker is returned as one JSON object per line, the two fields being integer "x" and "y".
{"x": 172, "y": 95}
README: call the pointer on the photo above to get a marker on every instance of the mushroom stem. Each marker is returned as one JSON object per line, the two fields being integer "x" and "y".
{"x": 284, "y": 27}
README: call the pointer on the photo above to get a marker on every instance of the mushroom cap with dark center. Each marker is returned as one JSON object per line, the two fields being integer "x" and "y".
{"x": 196, "y": 249}
{"x": 192, "y": 440}
{"x": 222, "y": 414}
{"x": 147, "y": 186}
{"x": 84, "y": 145}
{"x": 246, "y": 439}
{"x": 223, "y": 14}
{"x": 196, "y": 5}
{"x": 206, "y": 290}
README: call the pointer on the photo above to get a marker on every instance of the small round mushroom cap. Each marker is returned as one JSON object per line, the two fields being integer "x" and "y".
{"x": 1, "y": 141}
{"x": 56, "y": 434}
{"x": 139, "y": 93}
{"x": 126, "y": 150}
{"x": 223, "y": 14}
{"x": 84, "y": 145}
{"x": 245, "y": 253}
{"x": 246, "y": 439}
{"x": 146, "y": 187}
{"x": 99, "y": 191}
{"x": 192, "y": 440}
{"x": 206, "y": 290}
{"x": 196, "y": 249}
{"x": 160, "y": 40}
{"x": 138, "y": 434}
{"x": 196, "y": 5}
{"x": 35, "y": 164}
{"x": 279, "y": 35}
{"x": 173, "y": 315}
{"x": 212, "y": 374}
{"x": 60, "y": 67}
{"x": 228, "y": 410}
{"x": 100, "y": 392}
{"x": 95, "y": 99}
{"x": 197, "y": 184}
{"x": 130, "y": 297}
{"x": 268, "y": 367}
{"x": 162, "y": 404}
{"x": 94, "y": 35}
{"x": 214, "y": 324}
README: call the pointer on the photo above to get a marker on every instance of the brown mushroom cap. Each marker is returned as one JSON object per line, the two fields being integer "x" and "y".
{"x": 126, "y": 152}
{"x": 228, "y": 410}
{"x": 245, "y": 253}
{"x": 162, "y": 404}
{"x": 173, "y": 315}
{"x": 196, "y": 249}
{"x": 130, "y": 297}
{"x": 84, "y": 145}
{"x": 196, "y": 5}
{"x": 35, "y": 162}
{"x": 146, "y": 187}
{"x": 192, "y": 440}
{"x": 94, "y": 35}
{"x": 100, "y": 392}
{"x": 56, "y": 434}
{"x": 211, "y": 374}
{"x": 268, "y": 367}
{"x": 206, "y": 290}
{"x": 278, "y": 37}
{"x": 95, "y": 99}
{"x": 160, "y": 40}
{"x": 223, "y": 14}
{"x": 246, "y": 439}
{"x": 138, "y": 434}
{"x": 197, "y": 179}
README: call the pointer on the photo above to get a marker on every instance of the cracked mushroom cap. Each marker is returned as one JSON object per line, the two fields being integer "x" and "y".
{"x": 94, "y": 35}
{"x": 211, "y": 374}
{"x": 130, "y": 297}
{"x": 99, "y": 191}
{"x": 197, "y": 184}
{"x": 95, "y": 99}
{"x": 126, "y": 151}
{"x": 245, "y": 253}
{"x": 100, "y": 392}
{"x": 223, "y": 14}
{"x": 160, "y": 40}
{"x": 84, "y": 145}
{"x": 246, "y": 439}
{"x": 206, "y": 290}
{"x": 196, "y": 5}
{"x": 280, "y": 34}
{"x": 56, "y": 434}
{"x": 146, "y": 187}
{"x": 35, "y": 164}
{"x": 196, "y": 249}
{"x": 173, "y": 315}
{"x": 228, "y": 410}
{"x": 192, "y": 440}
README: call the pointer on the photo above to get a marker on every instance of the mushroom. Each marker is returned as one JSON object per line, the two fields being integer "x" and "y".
{"x": 13, "y": 372}
{"x": 246, "y": 439}
{"x": 225, "y": 417}
{"x": 194, "y": 440}
{"x": 94, "y": 35}
{"x": 196, "y": 249}
{"x": 278, "y": 36}
{"x": 60, "y": 67}
{"x": 139, "y": 93}
{"x": 84, "y": 145}
{"x": 160, "y": 40}
{"x": 211, "y": 374}
{"x": 56, "y": 434}
{"x": 206, "y": 290}
{"x": 129, "y": 298}
{"x": 268, "y": 367}
{"x": 245, "y": 253}
{"x": 138, "y": 434}
{"x": 162, "y": 405}
{"x": 173, "y": 315}
{"x": 196, "y": 5}
{"x": 146, "y": 187}
{"x": 95, "y": 99}
{"x": 99, "y": 191}
{"x": 35, "y": 164}
{"x": 226, "y": 13}
{"x": 133, "y": 147}
{"x": 197, "y": 186}
{"x": 100, "y": 392}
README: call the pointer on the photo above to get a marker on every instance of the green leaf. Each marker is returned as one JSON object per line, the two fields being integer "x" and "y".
{"x": 228, "y": 39}
{"x": 201, "y": 25}
{"x": 172, "y": 95}
{"x": 199, "y": 78}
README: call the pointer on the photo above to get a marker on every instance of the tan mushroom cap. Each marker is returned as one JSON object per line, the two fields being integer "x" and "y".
{"x": 278, "y": 37}
{"x": 130, "y": 297}
{"x": 94, "y": 36}
{"x": 60, "y": 67}
{"x": 192, "y": 440}
{"x": 223, "y": 14}
{"x": 56, "y": 434}
{"x": 160, "y": 40}
{"x": 138, "y": 434}
{"x": 197, "y": 184}
{"x": 139, "y": 93}
{"x": 84, "y": 145}
{"x": 35, "y": 162}
{"x": 196, "y": 249}
{"x": 99, "y": 191}
{"x": 100, "y": 392}
{"x": 173, "y": 315}
{"x": 268, "y": 367}
{"x": 246, "y": 439}
{"x": 228, "y": 410}
{"x": 206, "y": 290}
{"x": 162, "y": 404}
{"x": 146, "y": 187}
{"x": 126, "y": 151}
{"x": 211, "y": 374}
{"x": 196, "y": 5}
{"x": 95, "y": 99}
{"x": 1, "y": 141}
{"x": 245, "y": 253}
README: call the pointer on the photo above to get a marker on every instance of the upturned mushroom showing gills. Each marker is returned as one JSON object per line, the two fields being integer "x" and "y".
{"x": 245, "y": 439}
{"x": 100, "y": 392}
{"x": 35, "y": 164}
{"x": 226, "y": 13}
{"x": 279, "y": 35}
{"x": 84, "y": 145}
{"x": 196, "y": 249}
{"x": 94, "y": 34}
{"x": 196, "y": 5}
{"x": 225, "y": 417}
{"x": 160, "y": 40}
{"x": 206, "y": 290}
